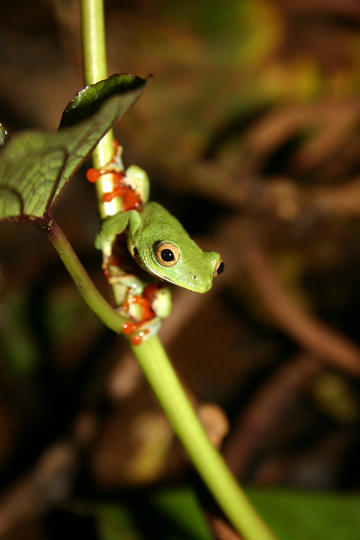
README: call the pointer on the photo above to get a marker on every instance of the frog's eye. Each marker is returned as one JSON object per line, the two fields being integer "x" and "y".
{"x": 219, "y": 267}
{"x": 167, "y": 253}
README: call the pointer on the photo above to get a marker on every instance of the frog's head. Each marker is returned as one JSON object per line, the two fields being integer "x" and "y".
{"x": 187, "y": 266}
{"x": 170, "y": 254}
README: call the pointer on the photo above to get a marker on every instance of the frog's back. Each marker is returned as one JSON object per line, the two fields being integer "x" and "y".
{"x": 155, "y": 215}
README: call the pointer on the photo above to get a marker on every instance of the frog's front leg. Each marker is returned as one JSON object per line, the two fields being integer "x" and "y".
{"x": 141, "y": 332}
{"x": 110, "y": 229}
{"x": 112, "y": 226}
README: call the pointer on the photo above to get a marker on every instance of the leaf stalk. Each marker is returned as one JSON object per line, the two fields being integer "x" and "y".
{"x": 82, "y": 280}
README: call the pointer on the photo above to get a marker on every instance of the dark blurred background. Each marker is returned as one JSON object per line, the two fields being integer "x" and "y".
{"x": 250, "y": 133}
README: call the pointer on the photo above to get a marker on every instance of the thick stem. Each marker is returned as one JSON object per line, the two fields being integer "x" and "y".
{"x": 82, "y": 280}
{"x": 94, "y": 70}
{"x": 208, "y": 462}
{"x": 151, "y": 355}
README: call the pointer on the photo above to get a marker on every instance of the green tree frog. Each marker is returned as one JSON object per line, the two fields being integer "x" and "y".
{"x": 145, "y": 241}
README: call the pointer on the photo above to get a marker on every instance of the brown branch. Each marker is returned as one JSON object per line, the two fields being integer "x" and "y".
{"x": 275, "y": 195}
{"x": 332, "y": 124}
{"x": 315, "y": 336}
{"x": 341, "y": 201}
{"x": 47, "y": 484}
{"x": 222, "y": 530}
{"x": 255, "y": 423}
{"x": 50, "y": 480}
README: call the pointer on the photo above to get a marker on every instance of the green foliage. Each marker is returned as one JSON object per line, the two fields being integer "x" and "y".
{"x": 116, "y": 522}
{"x": 182, "y": 510}
{"x": 296, "y": 515}
{"x": 90, "y": 98}
{"x": 19, "y": 352}
{"x": 291, "y": 515}
{"x": 175, "y": 512}
{"x": 35, "y": 165}
{"x": 64, "y": 312}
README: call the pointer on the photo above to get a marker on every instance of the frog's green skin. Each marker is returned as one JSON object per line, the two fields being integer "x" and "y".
{"x": 138, "y": 180}
{"x": 146, "y": 231}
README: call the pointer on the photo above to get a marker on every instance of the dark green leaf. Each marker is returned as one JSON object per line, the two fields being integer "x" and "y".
{"x": 115, "y": 522}
{"x": 35, "y": 165}
{"x": 179, "y": 508}
{"x": 3, "y": 135}
{"x": 175, "y": 512}
{"x": 90, "y": 98}
{"x": 19, "y": 350}
{"x": 299, "y": 515}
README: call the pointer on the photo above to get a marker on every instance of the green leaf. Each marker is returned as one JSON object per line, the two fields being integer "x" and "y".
{"x": 179, "y": 507}
{"x": 175, "y": 512}
{"x": 90, "y": 98}
{"x": 298, "y": 515}
{"x": 3, "y": 135}
{"x": 18, "y": 346}
{"x": 36, "y": 165}
{"x": 115, "y": 522}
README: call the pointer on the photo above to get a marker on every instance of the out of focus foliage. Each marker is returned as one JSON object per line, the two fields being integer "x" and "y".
{"x": 250, "y": 134}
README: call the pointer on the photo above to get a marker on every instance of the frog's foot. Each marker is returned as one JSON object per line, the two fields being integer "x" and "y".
{"x": 139, "y": 332}
{"x": 145, "y": 322}
{"x": 108, "y": 263}
{"x": 159, "y": 298}
{"x": 122, "y": 187}
{"x": 111, "y": 267}
{"x": 130, "y": 198}
{"x": 115, "y": 165}
{"x": 137, "y": 308}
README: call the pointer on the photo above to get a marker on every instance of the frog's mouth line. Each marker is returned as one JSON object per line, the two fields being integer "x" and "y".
{"x": 139, "y": 262}
{"x": 194, "y": 277}
{"x": 136, "y": 257}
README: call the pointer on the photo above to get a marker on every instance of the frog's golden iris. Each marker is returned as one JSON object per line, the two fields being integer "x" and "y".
{"x": 166, "y": 253}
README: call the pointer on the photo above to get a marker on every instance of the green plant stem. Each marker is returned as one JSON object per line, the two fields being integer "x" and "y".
{"x": 94, "y": 70}
{"x": 207, "y": 460}
{"x": 163, "y": 380}
{"x": 151, "y": 355}
{"x": 82, "y": 280}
